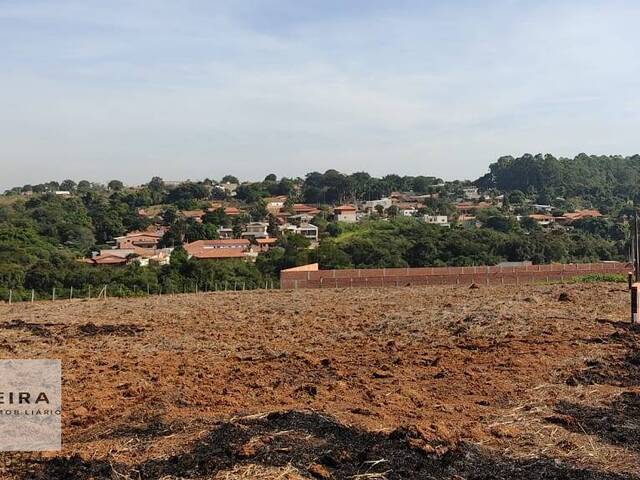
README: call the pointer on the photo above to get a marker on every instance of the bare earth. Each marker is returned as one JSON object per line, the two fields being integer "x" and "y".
{"x": 414, "y": 382}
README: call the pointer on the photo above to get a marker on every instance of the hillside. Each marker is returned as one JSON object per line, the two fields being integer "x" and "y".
{"x": 390, "y": 383}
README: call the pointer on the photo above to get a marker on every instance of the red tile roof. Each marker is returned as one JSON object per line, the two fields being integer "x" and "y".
{"x": 345, "y": 208}
{"x": 218, "y": 253}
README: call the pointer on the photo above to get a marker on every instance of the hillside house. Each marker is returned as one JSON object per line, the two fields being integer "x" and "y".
{"x": 307, "y": 230}
{"x": 256, "y": 230}
{"x": 138, "y": 239}
{"x": 223, "y": 249}
{"x": 441, "y": 220}
{"x": 225, "y": 232}
{"x": 542, "y": 218}
{"x": 264, "y": 244}
{"x": 275, "y": 204}
{"x": 346, "y": 213}
{"x": 232, "y": 211}
{"x": 299, "y": 208}
{"x": 571, "y": 217}
{"x": 470, "y": 193}
{"x": 370, "y": 206}
{"x": 193, "y": 214}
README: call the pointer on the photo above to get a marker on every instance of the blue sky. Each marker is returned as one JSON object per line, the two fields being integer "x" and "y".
{"x": 195, "y": 89}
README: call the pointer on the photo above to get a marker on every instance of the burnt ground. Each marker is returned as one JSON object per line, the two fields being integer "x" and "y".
{"x": 416, "y": 382}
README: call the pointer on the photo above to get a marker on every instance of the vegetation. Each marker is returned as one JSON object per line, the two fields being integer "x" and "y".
{"x": 45, "y": 232}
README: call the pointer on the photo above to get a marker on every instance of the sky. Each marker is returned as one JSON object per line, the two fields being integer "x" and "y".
{"x": 194, "y": 89}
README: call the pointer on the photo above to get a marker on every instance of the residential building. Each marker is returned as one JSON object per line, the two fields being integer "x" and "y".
{"x": 441, "y": 220}
{"x": 542, "y": 219}
{"x": 571, "y": 217}
{"x": 471, "y": 193}
{"x": 346, "y": 213}
{"x": 194, "y": 214}
{"x": 218, "y": 249}
{"x": 307, "y": 230}
{"x": 232, "y": 211}
{"x": 275, "y": 204}
{"x": 264, "y": 244}
{"x": 299, "y": 208}
{"x": 225, "y": 232}
{"x": 256, "y": 230}
{"x": 138, "y": 239}
{"x": 370, "y": 206}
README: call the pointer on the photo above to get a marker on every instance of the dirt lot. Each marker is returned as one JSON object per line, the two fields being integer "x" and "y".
{"x": 414, "y": 382}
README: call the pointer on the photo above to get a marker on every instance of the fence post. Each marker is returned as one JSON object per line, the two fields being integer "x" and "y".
{"x": 71, "y": 293}
{"x": 33, "y": 295}
{"x": 148, "y": 290}
{"x": 10, "y": 295}
{"x": 53, "y": 294}
{"x": 634, "y": 304}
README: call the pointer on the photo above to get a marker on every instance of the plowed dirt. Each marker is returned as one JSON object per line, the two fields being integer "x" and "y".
{"x": 395, "y": 383}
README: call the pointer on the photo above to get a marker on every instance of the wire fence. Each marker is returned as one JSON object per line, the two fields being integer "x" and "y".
{"x": 12, "y": 295}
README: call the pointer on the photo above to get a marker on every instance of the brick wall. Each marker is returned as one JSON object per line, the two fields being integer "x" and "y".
{"x": 310, "y": 277}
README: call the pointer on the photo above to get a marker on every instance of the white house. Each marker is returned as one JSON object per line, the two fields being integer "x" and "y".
{"x": 441, "y": 220}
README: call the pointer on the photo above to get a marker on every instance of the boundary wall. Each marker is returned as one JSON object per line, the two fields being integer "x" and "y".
{"x": 308, "y": 276}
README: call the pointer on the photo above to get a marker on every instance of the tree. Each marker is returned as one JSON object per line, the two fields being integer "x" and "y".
{"x": 68, "y": 185}
{"x": 230, "y": 179}
{"x": 271, "y": 178}
{"x": 115, "y": 185}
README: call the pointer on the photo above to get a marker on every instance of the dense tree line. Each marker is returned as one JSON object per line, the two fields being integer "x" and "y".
{"x": 604, "y": 182}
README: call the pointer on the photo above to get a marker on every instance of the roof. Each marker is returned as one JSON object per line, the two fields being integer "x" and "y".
{"x": 108, "y": 260}
{"x": 345, "y": 208}
{"x": 140, "y": 234}
{"x": 302, "y": 208}
{"x": 266, "y": 241}
{"x": 218, "y": 243}
{"x": 204, "y": 253}
{"x": 232, "y": 211}
{"x": 192, "y": 213}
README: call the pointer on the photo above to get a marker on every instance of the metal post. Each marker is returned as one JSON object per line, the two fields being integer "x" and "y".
{"x": 10, "y": 295}
{"x": 33, "y": 295}
{"x": 634, "y": 304}
{"x": 71, "y": 293}
{"x": 53, "y": 294}
{"x": 630, "y": 279}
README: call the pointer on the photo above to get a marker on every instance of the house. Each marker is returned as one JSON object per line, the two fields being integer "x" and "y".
{"x": 264, "y": 244}
{"x": 346, "y": 213}
{"x": 256, "y": 230}
{"x": 407, "y": 209}
{"x": 307, "y": 230}
{"x": 225, "y": 232}
{"x": 301, "y": 218}
{"x": 538, "y": 208}
{"x": 299, "y": 208}
{"x": 441, "y": 220}
{"x": 467, "y": 208}
{"x": 275, "y": 204}
{"x": 542, "y": 218}
{"x": 138, "y": 239}
{"x": 125, "y": 256}
{"x": 571, "y": 217}
{"x": 470, "y": 193}
{"x": 194, "y": 214}
{"x": 232, "y": 211}
{"x": 370, "y": 206}
{"x": 63, "y": 193}
{"x": 222, "y": 249}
